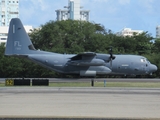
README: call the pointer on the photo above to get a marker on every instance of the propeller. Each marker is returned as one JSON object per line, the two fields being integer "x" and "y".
{"x": 112, "y": 57}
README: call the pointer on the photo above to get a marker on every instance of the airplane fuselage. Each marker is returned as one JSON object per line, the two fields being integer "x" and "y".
{"x": 83, "y": 64}
{"x": 122, "y": 65}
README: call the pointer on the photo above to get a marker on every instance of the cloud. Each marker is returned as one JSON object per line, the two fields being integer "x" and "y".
{"x": 124, "y": 2}
{"x": 147, "y": 5}
{"x": 38, "y": 12}
{"x": 113, "y": 14}
{"x": 40, "y": 4}
{"x": 100, "y": 0}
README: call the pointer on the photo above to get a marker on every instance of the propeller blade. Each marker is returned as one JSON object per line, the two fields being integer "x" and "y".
{"x": 111, "y": 56}
{"x": 111, "y": 63}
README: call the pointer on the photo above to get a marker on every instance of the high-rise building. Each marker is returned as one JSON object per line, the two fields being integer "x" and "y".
{"x": 158, "y": 31}
{"x": 73, "y": 11}
{"x": 8, "y": 9}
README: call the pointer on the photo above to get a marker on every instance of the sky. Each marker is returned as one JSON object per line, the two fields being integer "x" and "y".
{"x": 112, "y": 14}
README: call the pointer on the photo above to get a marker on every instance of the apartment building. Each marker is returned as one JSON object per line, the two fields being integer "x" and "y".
{"x": 9, "y": 9}
{"x": 158, "y": 31}
{"x": 73, "y": 11}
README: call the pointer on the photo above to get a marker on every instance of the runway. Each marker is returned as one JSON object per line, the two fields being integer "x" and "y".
{"x": 49, "y": 102}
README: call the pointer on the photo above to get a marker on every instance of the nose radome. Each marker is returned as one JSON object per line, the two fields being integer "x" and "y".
{"x": 153, "y": 68}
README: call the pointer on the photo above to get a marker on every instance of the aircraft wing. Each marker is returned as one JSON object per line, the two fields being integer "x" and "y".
{"x": 85, "y": 55}
{"x": 86, "y": 59}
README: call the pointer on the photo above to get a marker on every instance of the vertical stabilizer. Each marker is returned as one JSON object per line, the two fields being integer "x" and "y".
{"x": 18, "y": 41}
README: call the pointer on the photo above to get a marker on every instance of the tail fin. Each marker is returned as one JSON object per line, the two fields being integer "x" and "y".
{"x": 18, "y": 41}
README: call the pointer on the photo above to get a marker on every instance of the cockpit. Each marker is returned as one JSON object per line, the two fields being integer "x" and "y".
{"x": 145, "y": 60}
{"x": 147, "y": 66}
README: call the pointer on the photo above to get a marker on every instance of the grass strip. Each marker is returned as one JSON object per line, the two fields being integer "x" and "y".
{"x": 101, "y": 84}
{"x": 108, "y": 84}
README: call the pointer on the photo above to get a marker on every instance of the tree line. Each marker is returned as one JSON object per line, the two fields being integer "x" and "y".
{"x": 73, "y": 37}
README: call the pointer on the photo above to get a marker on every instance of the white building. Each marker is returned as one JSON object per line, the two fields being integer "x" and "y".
{"x": 4, "y": 32}
{"x": 129, "y": 32}
{"x": 158, "y": 31}
{"x": 8, "y": 9}
{"x": 73, "y": 11}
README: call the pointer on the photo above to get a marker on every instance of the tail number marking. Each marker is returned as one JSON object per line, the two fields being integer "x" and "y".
{"x": 17, "y": 45}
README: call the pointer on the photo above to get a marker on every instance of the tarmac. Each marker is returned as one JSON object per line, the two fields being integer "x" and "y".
{"x": 79, "y": 103}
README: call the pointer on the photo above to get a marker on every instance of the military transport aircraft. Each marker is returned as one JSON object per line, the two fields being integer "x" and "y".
{"x": 83, "y": 64}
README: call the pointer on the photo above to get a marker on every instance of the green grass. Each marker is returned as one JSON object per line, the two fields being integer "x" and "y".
{"x": 2, "y": 84}
{"x": 101, "y": 84}
{"x": 108, "y": 84}
{"x": 70, "y": 84}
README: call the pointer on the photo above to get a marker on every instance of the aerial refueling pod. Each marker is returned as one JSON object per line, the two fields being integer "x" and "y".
{"x": 100, "y": 70}
{"x": 88, "y": 73}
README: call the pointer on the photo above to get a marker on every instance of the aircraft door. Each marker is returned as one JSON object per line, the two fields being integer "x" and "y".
{"x": 123, "y": 67}
{"x": 138, "y": 68}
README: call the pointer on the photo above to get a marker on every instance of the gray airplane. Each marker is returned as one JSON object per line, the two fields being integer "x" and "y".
{"x": 83, "y": 64}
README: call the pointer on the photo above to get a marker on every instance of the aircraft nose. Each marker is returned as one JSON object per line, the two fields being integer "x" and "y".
{"x": 153, "y": 68}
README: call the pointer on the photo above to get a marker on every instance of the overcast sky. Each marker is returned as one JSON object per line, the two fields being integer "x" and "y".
{"x": 113, "y": 14}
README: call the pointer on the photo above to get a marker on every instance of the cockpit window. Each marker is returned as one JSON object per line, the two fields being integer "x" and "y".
{"x": 143, "y": 60}
{"x": 147, "y": 60}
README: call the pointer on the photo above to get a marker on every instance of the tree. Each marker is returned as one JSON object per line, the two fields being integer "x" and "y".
{"x": 74, "y": 36}
{"x": 144, "y": 44}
